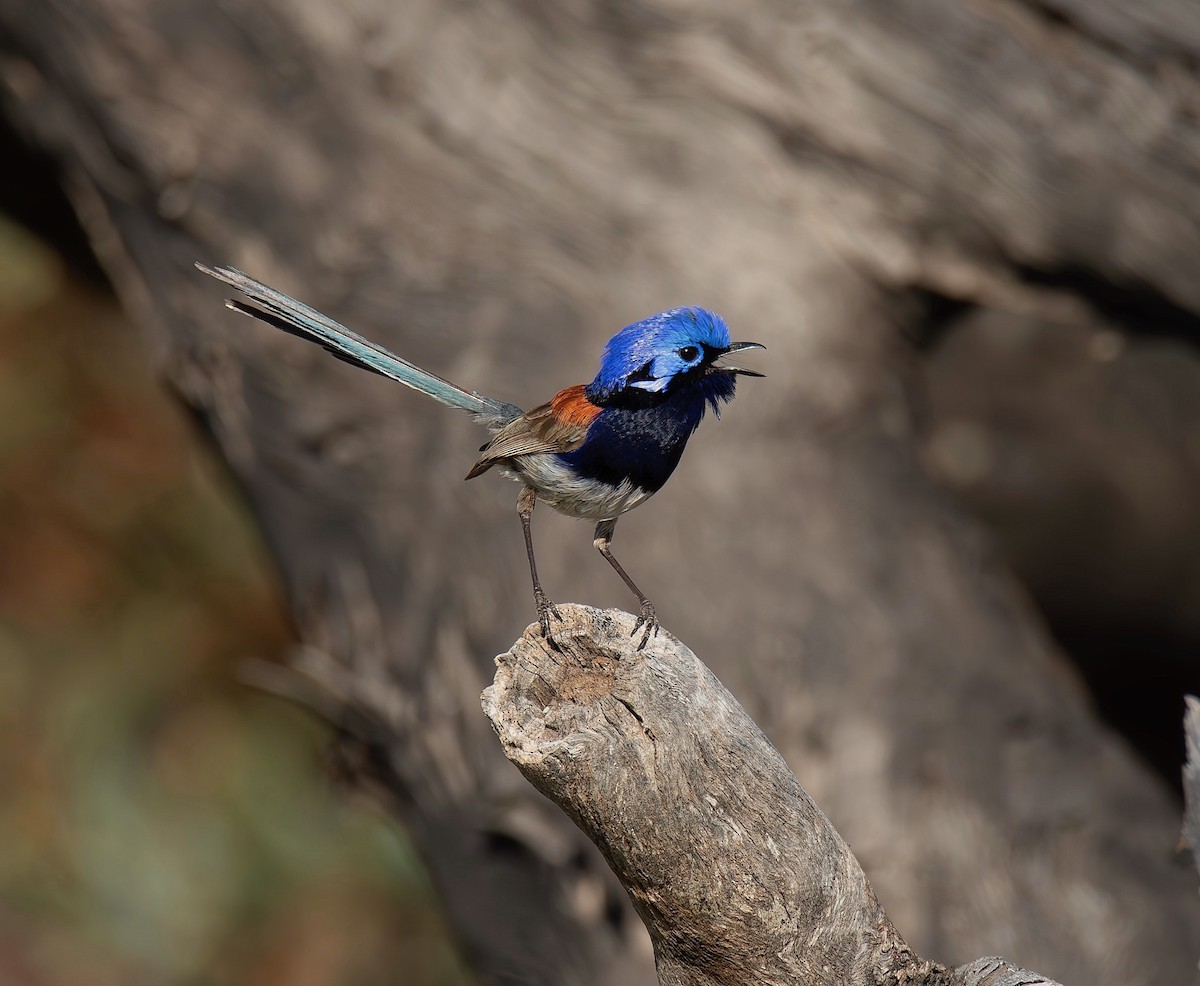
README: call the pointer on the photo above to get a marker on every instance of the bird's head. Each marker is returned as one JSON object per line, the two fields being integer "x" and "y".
{"x": 660, "y": 355}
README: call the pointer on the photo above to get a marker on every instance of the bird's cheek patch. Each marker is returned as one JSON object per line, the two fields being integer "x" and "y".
{"x": 652, "y": 385}
{"x": 644, "y": 379}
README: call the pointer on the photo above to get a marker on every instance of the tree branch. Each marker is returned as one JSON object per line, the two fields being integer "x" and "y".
{"x": 1191, "y": 778}
{"x": 737, "y": 874}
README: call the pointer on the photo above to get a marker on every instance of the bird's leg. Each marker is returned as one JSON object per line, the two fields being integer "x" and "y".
{"x": 648, "y": 619}
{"x": 525, "y": 505}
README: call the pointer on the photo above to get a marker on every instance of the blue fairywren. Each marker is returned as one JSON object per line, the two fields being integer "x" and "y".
{"x": 595, "y": 451}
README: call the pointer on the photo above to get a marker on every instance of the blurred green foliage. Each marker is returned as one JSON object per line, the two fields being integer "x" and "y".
{"x": 159, "y": 823}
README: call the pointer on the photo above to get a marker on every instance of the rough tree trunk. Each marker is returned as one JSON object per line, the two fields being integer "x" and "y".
{"x": 491, "y": 190}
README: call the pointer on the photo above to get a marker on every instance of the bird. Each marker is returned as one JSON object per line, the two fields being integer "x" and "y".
{"x": 593, "y": 451}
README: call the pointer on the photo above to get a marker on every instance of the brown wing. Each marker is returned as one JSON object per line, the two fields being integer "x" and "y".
{"x": 558, "y": 426}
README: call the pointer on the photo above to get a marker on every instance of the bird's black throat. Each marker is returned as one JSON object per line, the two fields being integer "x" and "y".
{"x": 639, "y": 436}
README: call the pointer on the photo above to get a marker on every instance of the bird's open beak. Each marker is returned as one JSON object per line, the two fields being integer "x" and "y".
{"x": 738, "y": 347}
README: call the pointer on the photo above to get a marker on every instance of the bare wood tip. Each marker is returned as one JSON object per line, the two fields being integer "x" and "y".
{"x": 544, "y": 696}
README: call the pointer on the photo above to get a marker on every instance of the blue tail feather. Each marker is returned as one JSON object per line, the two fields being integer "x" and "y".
{"x": 286, "y": 313}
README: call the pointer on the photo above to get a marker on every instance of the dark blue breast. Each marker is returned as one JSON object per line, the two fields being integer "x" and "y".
{"x": 642, "y": 444}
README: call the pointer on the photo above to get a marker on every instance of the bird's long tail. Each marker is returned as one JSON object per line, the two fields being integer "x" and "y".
{"x": 286, "y": 313}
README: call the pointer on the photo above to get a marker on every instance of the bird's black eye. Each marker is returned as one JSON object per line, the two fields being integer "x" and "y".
{"x": 688, "y": 353}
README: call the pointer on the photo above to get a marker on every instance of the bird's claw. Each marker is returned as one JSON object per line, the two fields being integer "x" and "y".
{"x": 647, "y": 623}
{"x": 545, "y": 608}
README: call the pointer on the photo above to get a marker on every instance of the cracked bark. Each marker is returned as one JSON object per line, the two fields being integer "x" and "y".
{"x": 737, "y": 874}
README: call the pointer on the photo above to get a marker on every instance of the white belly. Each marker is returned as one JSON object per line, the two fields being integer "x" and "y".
{"x": 570, "y": 494}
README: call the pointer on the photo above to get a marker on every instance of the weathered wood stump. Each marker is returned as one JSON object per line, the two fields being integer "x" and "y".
{"x": 737, "y": 874}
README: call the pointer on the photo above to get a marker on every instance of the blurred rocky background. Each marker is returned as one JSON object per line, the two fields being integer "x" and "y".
{"x": 160, "y": 822}
{"x": 947, "y": 554}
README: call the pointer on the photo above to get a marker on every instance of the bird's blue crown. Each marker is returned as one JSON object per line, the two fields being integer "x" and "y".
{"x": 651, "y": 354}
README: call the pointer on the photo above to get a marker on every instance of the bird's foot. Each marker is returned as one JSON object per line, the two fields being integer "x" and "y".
{"x": 545, "y": 609}
{"x": 647, "y": 623}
